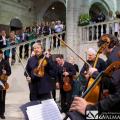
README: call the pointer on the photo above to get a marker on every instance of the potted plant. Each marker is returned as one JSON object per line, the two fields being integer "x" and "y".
{"x": 84, "y": 19}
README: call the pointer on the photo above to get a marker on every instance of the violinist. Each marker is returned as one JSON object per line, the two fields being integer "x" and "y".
{"x": 38, "y": 68}
{"x": 110, "y": 103}
{"x": 5, "y": 70}
{"x": 66, "y": 72}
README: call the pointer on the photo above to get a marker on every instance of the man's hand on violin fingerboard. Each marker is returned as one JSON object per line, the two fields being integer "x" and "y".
{"x": 65, "y": 73}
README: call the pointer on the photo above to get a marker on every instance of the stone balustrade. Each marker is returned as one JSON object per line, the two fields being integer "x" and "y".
{"x": 46, "y": 41}
{"x": 93, "y": 32}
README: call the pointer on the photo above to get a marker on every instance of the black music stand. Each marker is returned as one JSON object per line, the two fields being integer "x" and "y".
{"x": 24, "y": 107}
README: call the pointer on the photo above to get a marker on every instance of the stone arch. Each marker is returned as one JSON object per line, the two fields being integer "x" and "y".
{"x": 15, "y": 24}
{"x": 56, "y": 11}
{"x": 45, "y": 6}
{"x": 99, "y": 6}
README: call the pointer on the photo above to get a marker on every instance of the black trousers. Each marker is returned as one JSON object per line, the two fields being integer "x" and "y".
{"x": 2, "y": 101}
{"x": 66, "y": 100}
{"x": 26, "y": 47}
{"x": 20, "y": 51}
{"x": 35, "y": 96}
{"x": 54, "y": 94}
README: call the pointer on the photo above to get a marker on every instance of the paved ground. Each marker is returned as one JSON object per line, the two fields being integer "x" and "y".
{"x": 17, "y": 94}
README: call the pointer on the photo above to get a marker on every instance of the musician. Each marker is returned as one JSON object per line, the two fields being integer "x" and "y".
{"x": 91, "y": 58}
{"x": 6, "y": 70}
{"x": 40, "y": 86}
{"x": 111, "y": 103}
{"x": 65, "y": 69}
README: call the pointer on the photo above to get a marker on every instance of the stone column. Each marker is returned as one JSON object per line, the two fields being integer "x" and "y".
{"x": 71, "y": 24}
{"x": 73, "y": 10}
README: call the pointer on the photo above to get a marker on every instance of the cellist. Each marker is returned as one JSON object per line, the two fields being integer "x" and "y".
{"x": 91, "y": 58}
{"x": 5, "y": 70}
{"x": 111, "y": 103}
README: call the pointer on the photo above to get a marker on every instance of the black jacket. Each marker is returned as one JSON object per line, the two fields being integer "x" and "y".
{"x": 40, "y": 84}
{"x": 69, "y": 68}
{"x": 101, "y": 65}
{"x": 4, "y": 64}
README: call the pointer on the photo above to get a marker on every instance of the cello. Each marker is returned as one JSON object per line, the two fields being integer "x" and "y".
{"x": 94, "y": 95}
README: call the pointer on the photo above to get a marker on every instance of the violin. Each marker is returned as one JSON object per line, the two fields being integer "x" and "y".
{"x": 40, "y": 69}
{"x": 67, "y": 85}
{"x": 6, "y": 86}
{"x": 4, "y": 78}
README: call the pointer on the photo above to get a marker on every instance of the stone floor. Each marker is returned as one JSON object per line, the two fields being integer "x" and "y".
{"x": 17, "y": 94}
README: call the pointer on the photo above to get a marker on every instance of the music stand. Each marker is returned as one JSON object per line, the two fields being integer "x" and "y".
{"x": 24, "y": 107}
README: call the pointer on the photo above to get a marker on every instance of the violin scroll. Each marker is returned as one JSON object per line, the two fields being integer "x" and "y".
{"x": 103, "y": 43}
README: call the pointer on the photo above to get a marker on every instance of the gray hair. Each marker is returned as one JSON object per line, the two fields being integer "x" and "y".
{"x": 37, "y": 44}
{"x": 92, "y": 50}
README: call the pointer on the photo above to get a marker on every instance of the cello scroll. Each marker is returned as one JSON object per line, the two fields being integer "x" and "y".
{"x": 114, "y": 66}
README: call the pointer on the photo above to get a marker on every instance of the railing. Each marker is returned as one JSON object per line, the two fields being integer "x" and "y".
{"x": 48, "y": 42}
{"x": 94, "y": 31}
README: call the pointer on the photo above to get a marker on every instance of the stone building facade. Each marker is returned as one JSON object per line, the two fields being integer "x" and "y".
{"x": 35, "y": 11}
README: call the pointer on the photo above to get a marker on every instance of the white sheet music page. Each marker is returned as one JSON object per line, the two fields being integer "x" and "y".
{"x": 47, "y": 110}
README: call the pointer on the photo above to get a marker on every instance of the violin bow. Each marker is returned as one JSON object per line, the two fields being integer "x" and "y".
{"x": 73, "y": 51}
{"x": 22, "y": 64}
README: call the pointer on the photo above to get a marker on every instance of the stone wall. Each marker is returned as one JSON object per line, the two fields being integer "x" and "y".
{"x": 21, "y": 9}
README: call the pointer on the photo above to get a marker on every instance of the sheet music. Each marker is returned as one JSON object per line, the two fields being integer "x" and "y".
{"x": 47, "y": 110}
